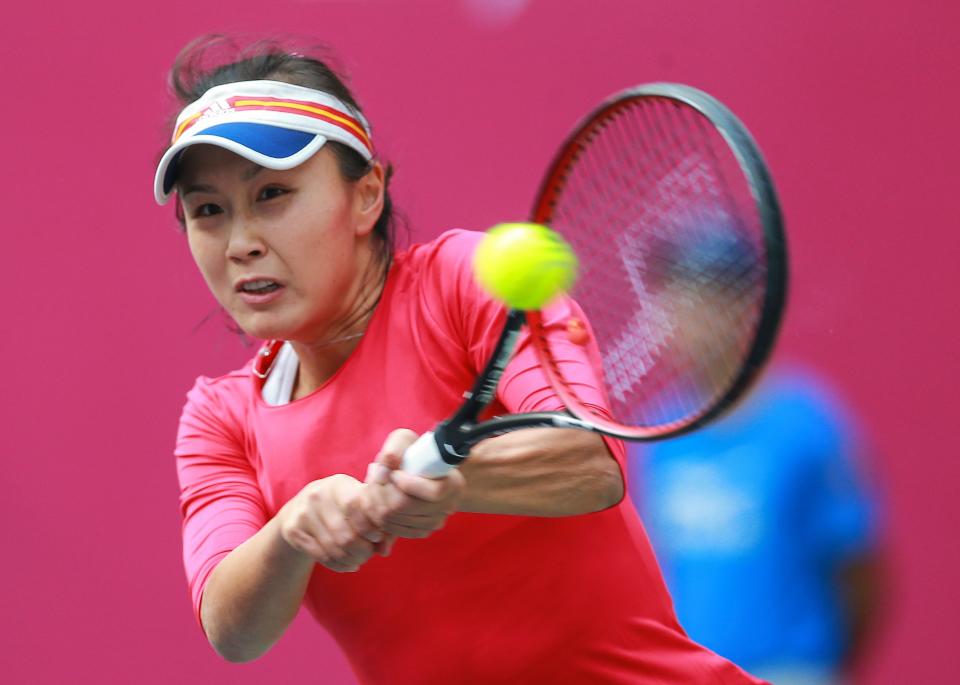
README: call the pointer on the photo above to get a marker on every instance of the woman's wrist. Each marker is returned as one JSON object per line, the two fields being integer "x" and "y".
{"x": 283, "y": 548}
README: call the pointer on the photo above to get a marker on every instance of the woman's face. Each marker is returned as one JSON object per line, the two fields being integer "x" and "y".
{"x": 284, "y": 252}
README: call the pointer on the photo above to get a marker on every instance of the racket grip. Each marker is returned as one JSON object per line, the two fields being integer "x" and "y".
{"x": 423, "y": 458}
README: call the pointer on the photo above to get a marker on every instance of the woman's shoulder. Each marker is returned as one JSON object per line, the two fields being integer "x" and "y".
{"x": 453, "y": 247}
{"x": 229, "y": 383}
{"x": 441, "y": 267}
{"x": 224, "y": 396}
{"x": 215, "y": 416}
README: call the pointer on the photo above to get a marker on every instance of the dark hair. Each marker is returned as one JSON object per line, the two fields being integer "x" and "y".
{"x": 216, "y": 60}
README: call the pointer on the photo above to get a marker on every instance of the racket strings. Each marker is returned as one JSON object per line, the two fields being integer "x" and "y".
{"x": 651, "y": 329}
{"x": 678, "y": 172}
{"x": 671, "y": 258}
{"x": 610, "y": 191}
{"x": 730, "y": 276}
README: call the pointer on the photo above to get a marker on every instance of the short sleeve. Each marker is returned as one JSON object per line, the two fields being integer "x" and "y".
{"x": 842, "y": 502}
{"x": 846, "y": 518}
{"x": 220, "y": 500}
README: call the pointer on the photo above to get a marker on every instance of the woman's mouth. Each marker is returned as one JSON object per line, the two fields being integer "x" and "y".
{"x": 259, "y": 290}
{"x": 259, "y": 287}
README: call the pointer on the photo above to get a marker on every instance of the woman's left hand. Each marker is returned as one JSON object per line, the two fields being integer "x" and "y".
{"x": 408, "y": 506}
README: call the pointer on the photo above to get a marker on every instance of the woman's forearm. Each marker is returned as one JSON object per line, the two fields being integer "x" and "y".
{"x": 255, "y": 591}
{"x": 541, "y": 472}
{"x": 253, "y": 595}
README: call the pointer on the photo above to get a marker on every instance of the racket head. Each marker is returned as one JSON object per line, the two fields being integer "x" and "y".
{"x": 671, "y": 209}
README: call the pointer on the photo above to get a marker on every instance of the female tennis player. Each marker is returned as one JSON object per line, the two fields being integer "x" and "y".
{"x": 527, "y": 565}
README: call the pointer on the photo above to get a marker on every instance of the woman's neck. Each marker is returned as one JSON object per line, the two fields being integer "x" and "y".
{"x": 321, "y": 359}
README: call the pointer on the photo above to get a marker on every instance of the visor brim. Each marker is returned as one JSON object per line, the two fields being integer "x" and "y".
{"x": 270, "y": 146}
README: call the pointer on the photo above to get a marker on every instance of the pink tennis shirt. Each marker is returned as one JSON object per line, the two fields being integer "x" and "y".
{"x": 488, "y": 599}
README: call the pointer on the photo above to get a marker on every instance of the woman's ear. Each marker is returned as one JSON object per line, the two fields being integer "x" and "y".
{"x": 368, "y": 196}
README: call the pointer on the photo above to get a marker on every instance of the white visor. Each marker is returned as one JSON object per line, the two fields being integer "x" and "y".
{"x": 273, "y": 124}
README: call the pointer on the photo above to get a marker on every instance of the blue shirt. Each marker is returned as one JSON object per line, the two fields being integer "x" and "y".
{"x": 750, "y": 518}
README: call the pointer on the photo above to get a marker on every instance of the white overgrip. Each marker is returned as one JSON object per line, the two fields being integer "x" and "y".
{"x": 423, "y": 458}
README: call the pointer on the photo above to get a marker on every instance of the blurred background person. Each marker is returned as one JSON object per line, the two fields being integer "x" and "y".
{"x": 767, "y": 532}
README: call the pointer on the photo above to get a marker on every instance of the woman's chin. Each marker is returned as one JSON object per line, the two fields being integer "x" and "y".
{"x": 264, "y": 328}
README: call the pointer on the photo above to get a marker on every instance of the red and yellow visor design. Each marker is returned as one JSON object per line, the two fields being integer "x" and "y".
{"x": 276, "y": 125}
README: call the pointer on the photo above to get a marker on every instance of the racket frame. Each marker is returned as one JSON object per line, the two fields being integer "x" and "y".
{"x": 754, "y": 168}
{"x": 454, "y": 437}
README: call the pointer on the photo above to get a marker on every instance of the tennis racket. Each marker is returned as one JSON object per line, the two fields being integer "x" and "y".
{"x": 671, "y": 210}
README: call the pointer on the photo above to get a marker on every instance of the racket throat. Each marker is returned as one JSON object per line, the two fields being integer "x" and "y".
{"x": 452, "y": 444}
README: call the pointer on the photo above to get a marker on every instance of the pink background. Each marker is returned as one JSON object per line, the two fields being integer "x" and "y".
{"x": 854, "y": 103}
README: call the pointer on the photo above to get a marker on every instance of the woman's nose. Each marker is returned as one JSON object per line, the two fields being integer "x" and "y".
{"x": 245, "y": 242}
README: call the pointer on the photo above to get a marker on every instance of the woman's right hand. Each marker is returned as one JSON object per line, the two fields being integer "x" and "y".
{"x": 323, "y": 522}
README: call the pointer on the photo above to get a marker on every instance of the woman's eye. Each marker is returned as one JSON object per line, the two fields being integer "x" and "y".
{"x": 271, "y": 192}
{"x": 208, "y": 209}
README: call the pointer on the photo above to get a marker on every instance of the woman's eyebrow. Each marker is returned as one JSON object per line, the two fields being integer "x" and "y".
{"x": 251, "y": 172}
{"x": 196, "y": 188}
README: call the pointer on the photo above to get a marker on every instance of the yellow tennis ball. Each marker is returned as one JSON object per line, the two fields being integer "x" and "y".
{"x": 524, "y": 265}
